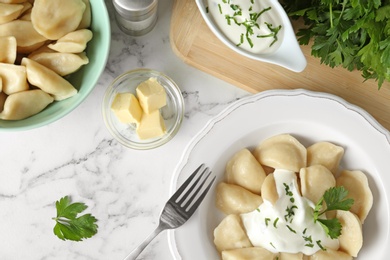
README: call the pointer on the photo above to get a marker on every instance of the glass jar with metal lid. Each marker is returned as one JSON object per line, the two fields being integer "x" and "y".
{"x": 136, "y": 17}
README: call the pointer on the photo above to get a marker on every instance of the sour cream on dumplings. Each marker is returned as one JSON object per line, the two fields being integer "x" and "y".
{"x": 288, "y": 226}
{"x": 253, "y": 25}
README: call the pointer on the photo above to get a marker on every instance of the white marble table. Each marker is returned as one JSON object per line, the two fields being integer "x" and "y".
{"x": 125, "y": 189}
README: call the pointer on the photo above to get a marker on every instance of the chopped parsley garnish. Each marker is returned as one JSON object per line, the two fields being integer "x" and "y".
{"x": 291, "y": 229}
{"x": 249, "y": 24}
{"x": 290, "y": 213}
{"x": 289, "y": 210}
{"x": 287, "y": 190}
{"x": 320, "y": 245}
{"x": 275, "y": 222}
{"x": 309, "y": 240}
{"x": 274, "y": 33}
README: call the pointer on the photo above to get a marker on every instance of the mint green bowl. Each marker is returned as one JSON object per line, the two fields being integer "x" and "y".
{"x": 84, "y": 79}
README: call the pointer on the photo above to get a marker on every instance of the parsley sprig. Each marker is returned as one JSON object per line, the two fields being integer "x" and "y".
{"x": 335, "y": 199}
{"x": 354, "y": 34}
{"x": 71, "y": 227}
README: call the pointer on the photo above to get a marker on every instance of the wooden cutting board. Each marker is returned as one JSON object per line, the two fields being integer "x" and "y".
{"x": 196, "y": 45}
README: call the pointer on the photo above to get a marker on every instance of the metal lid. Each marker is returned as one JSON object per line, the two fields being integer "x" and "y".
{"x": 135, "y": 8}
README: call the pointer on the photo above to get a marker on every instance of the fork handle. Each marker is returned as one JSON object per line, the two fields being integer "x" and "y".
{"x": 138, "y": 250}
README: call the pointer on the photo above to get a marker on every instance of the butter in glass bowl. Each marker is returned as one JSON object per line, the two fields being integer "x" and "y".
{"x": 154, "y": 127}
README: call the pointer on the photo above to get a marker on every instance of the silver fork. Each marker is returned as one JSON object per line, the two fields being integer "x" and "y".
{"x": 180, "y": 207}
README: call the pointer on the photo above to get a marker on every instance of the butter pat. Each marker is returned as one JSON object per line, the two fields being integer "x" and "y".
{"x": 152, "y": 125}
{"x": 151, "y": 95}
{"x": 126, "y": 108}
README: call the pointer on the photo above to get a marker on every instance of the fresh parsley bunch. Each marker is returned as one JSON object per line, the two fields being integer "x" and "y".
{"x": 70, "y": 226}
{"x": 354, "y": 34}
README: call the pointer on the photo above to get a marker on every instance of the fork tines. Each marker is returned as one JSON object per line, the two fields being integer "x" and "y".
{"x": 187, "y": 193}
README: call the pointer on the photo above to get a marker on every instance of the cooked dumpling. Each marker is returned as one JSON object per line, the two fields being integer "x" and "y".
{"x": 249, "y": 253}
{"x": 26, "y": 16}
{"x": 7, "y": 49}
{"x": 47, "y": 80}
{"x": 25, "y": 104}
{"x": 282, "y": 152}
{"x": 233, "y": 199}
{"x": 351, "y": 238}
{"x": 268, "y": 189}
{"x": 290, "y": 256}
{"x": 326, "y": 154}
{"x": 13, "y": 1}
{"x": 230, "y": 234}
{"x": 43, "y": 49}
{"x": 3, "y": 97}
{"x": 26, "y": 12}
{"x": 330, "y": 254}
{"x": 244, "y": 170}
{"x": 13, "y": 77}
{"x": 315, "y": 180}
{"x": 56, "y": 18}
{"x": 87, "y": 16}
{"x": 61, "y": 63}
{"x": 9, "y": 12}
{"x": 357, "y": 185}
{"x": 267, "y": 169}
{"x": 27, "y": 6}
{"x": 27, "y": 38}
{"x": 73, "y": 42}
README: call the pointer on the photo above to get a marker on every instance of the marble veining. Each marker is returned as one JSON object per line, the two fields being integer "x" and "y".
{"x": 125, "y": 189}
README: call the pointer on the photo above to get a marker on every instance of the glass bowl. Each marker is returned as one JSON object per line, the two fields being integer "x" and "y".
{"x": 172, "y": 113}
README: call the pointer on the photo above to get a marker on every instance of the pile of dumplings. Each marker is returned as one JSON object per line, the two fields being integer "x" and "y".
{"x": 249, "y": 180}
{"x": 41, "y": 41}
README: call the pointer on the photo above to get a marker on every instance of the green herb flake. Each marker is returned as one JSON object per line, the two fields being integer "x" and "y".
{"x": 235, "y": 7}
{"x": 276, "y": 222}
{"x": 287, "y": 190}
{"x": 291, "y": 229}
{"x": 320, "y": 245}
{"x": 309, "y": 241}
{"x": 249, "y": 24}
{"x": 273, "y": 34}
{"x": 290, "y": 213}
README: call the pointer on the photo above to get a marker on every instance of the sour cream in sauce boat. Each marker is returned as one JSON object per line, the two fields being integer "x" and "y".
{"x": 260, "y": 30}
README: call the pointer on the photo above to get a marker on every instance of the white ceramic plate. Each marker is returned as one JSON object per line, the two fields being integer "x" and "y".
{"x": 310, "y": 117}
